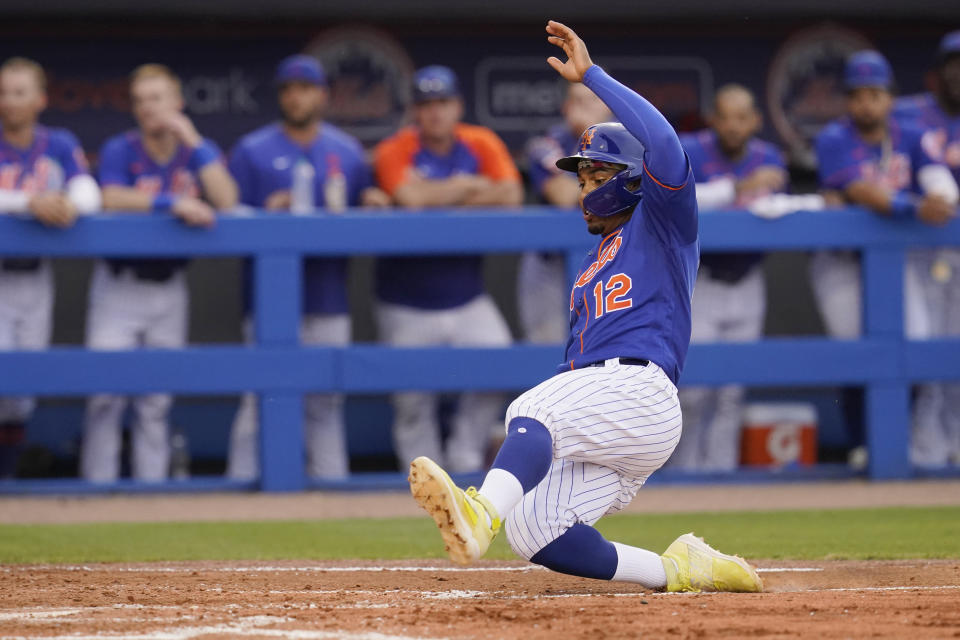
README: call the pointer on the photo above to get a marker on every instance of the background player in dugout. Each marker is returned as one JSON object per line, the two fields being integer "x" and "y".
{"x": 435, "y": 300}
{"x": 162, "y": 167}
{"x": 581, "y": 444}
{"x": 298, "y": 164}
{"x": 938, "y": 114}
{"x": 871, "y": 159}
{"x": 732, "y": 168}
{"x": 43, "y": 175}
{"x": 542, "y": 279}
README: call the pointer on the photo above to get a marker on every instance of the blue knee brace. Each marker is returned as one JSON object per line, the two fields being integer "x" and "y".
{"x": 526, "y": 453}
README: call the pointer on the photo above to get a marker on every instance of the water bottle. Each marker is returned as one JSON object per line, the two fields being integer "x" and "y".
{"x": 179, "y": 455}
{"x": 301, "y": 189}
{"x": 335, "y": 187}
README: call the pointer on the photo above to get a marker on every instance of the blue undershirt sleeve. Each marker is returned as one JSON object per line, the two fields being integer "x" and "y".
{"x": 665, "y": 158}
{"x": 669, "y": 193}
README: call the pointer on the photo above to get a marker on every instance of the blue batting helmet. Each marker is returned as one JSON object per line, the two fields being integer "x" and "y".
{"x": 610, "y": 142}
{"x": 949, "y": 46}
{"x": 867, "y": 68}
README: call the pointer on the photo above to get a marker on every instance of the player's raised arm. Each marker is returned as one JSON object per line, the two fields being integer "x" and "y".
{"x": 665, "y": 158}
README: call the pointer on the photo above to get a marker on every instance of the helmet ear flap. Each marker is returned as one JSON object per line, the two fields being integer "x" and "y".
{"x": 615, "y": 195}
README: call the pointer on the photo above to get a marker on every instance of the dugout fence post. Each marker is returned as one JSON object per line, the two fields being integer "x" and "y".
{"x": 887, "y": 401}
{"x": 277, "y": 301}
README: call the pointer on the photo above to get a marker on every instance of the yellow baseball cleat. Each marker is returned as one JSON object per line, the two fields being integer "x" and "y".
{"x": 460, "y": 515}
{"x": 693, "y": 565}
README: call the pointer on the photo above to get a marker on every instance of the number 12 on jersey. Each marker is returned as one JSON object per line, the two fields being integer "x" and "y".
{"x": 617, "y": 289}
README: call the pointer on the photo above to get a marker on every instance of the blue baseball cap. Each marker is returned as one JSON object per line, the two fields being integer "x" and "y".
{"x": 301, "y": 68}
{"x": 867, "y": 69}
{"x": 435, "y": 82}
{"x": 949, "y": 46}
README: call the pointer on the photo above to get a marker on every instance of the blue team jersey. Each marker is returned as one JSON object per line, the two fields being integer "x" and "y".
{"x": 941, "y": 139}
{"x": 543, "y": 153}
{"x": 632, "y": 295}
{"x": 52, "y": 159}
{"x": 437, "y": 282}
{"x": 843, "y": 157}
{"x": 262, "y": 163}
{"x": 125, "y": 162}
{"x": 709, "y": 162}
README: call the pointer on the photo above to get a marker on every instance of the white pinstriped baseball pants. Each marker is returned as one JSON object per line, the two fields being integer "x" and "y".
{"x": 612, "y": 427}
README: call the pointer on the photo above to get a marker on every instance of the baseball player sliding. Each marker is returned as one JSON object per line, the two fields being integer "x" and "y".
{"x": 581, "y": 444}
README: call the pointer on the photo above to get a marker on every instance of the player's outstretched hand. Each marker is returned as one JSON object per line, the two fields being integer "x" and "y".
{"x": 578, "y": 59}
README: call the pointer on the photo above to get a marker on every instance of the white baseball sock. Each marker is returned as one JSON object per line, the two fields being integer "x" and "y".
{"x": 640, "y": 566}
{"x": 503, "y": 490}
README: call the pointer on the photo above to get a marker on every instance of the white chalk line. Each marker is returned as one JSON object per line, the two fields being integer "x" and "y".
{"x": 945, "y": 587}
{"x": 316, "y": 569}
{"x": 236, "y": 629}
{"x": 255, "y": 569}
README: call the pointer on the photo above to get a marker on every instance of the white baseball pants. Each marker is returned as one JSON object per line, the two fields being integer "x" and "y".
{"x": 836, "y": 280}
{"x": 128, "y": 313}
{"x": 543, "y": 298}
{"x": 416, "y": 429}
{"x": 26, "y": 310}
{"x": 324, "y": 430}
{"x": 712, "y": 416}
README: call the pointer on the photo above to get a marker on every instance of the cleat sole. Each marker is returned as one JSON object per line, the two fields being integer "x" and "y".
{"x": 434, "y": 495}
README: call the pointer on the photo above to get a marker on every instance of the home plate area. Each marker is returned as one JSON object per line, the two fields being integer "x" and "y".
{"x": 432, "y": 599}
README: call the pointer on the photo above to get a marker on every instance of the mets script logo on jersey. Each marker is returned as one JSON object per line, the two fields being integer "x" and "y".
{"x": 46, "y": 175}
{"x": 182, "y": 184}
{"x": 895, "y": 175}
{"x": 617, "y": 286}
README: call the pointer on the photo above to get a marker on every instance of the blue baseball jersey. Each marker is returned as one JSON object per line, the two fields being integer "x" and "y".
{"x": 53, "y": 158}
{"x": 632, "y": 295}
{"x": 941, "y": 139}
{"x": 543, "y": 153}
{"x": 262, "y": 163}
{"x": 437, "y": 282}
{"x": 709, "y": 162}
{"x": 125, "y": 162}
{"x": 844, "y": 158}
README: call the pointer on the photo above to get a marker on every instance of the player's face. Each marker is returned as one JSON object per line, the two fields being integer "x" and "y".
{"x": 590, "y": 178}
{"x": 735, "y": 120}
{"x": 301, "y": 103}
{"x": 869, "y": 107}
{"x": 950, "y": 80}
{"x": 583, "y": 108}
{"x": 153, "y": 98}
{"x": 438, "y": 118}
{"x": 21, "y": 98}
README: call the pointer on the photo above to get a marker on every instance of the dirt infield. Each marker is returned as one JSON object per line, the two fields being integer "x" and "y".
{"x": 381, "y": 601}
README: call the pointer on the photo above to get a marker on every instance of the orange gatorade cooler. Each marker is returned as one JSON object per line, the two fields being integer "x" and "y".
{"x": 779, "y": 434}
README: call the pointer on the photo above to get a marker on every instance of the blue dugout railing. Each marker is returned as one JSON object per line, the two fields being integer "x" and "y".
{"x": 281, "y": 371}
